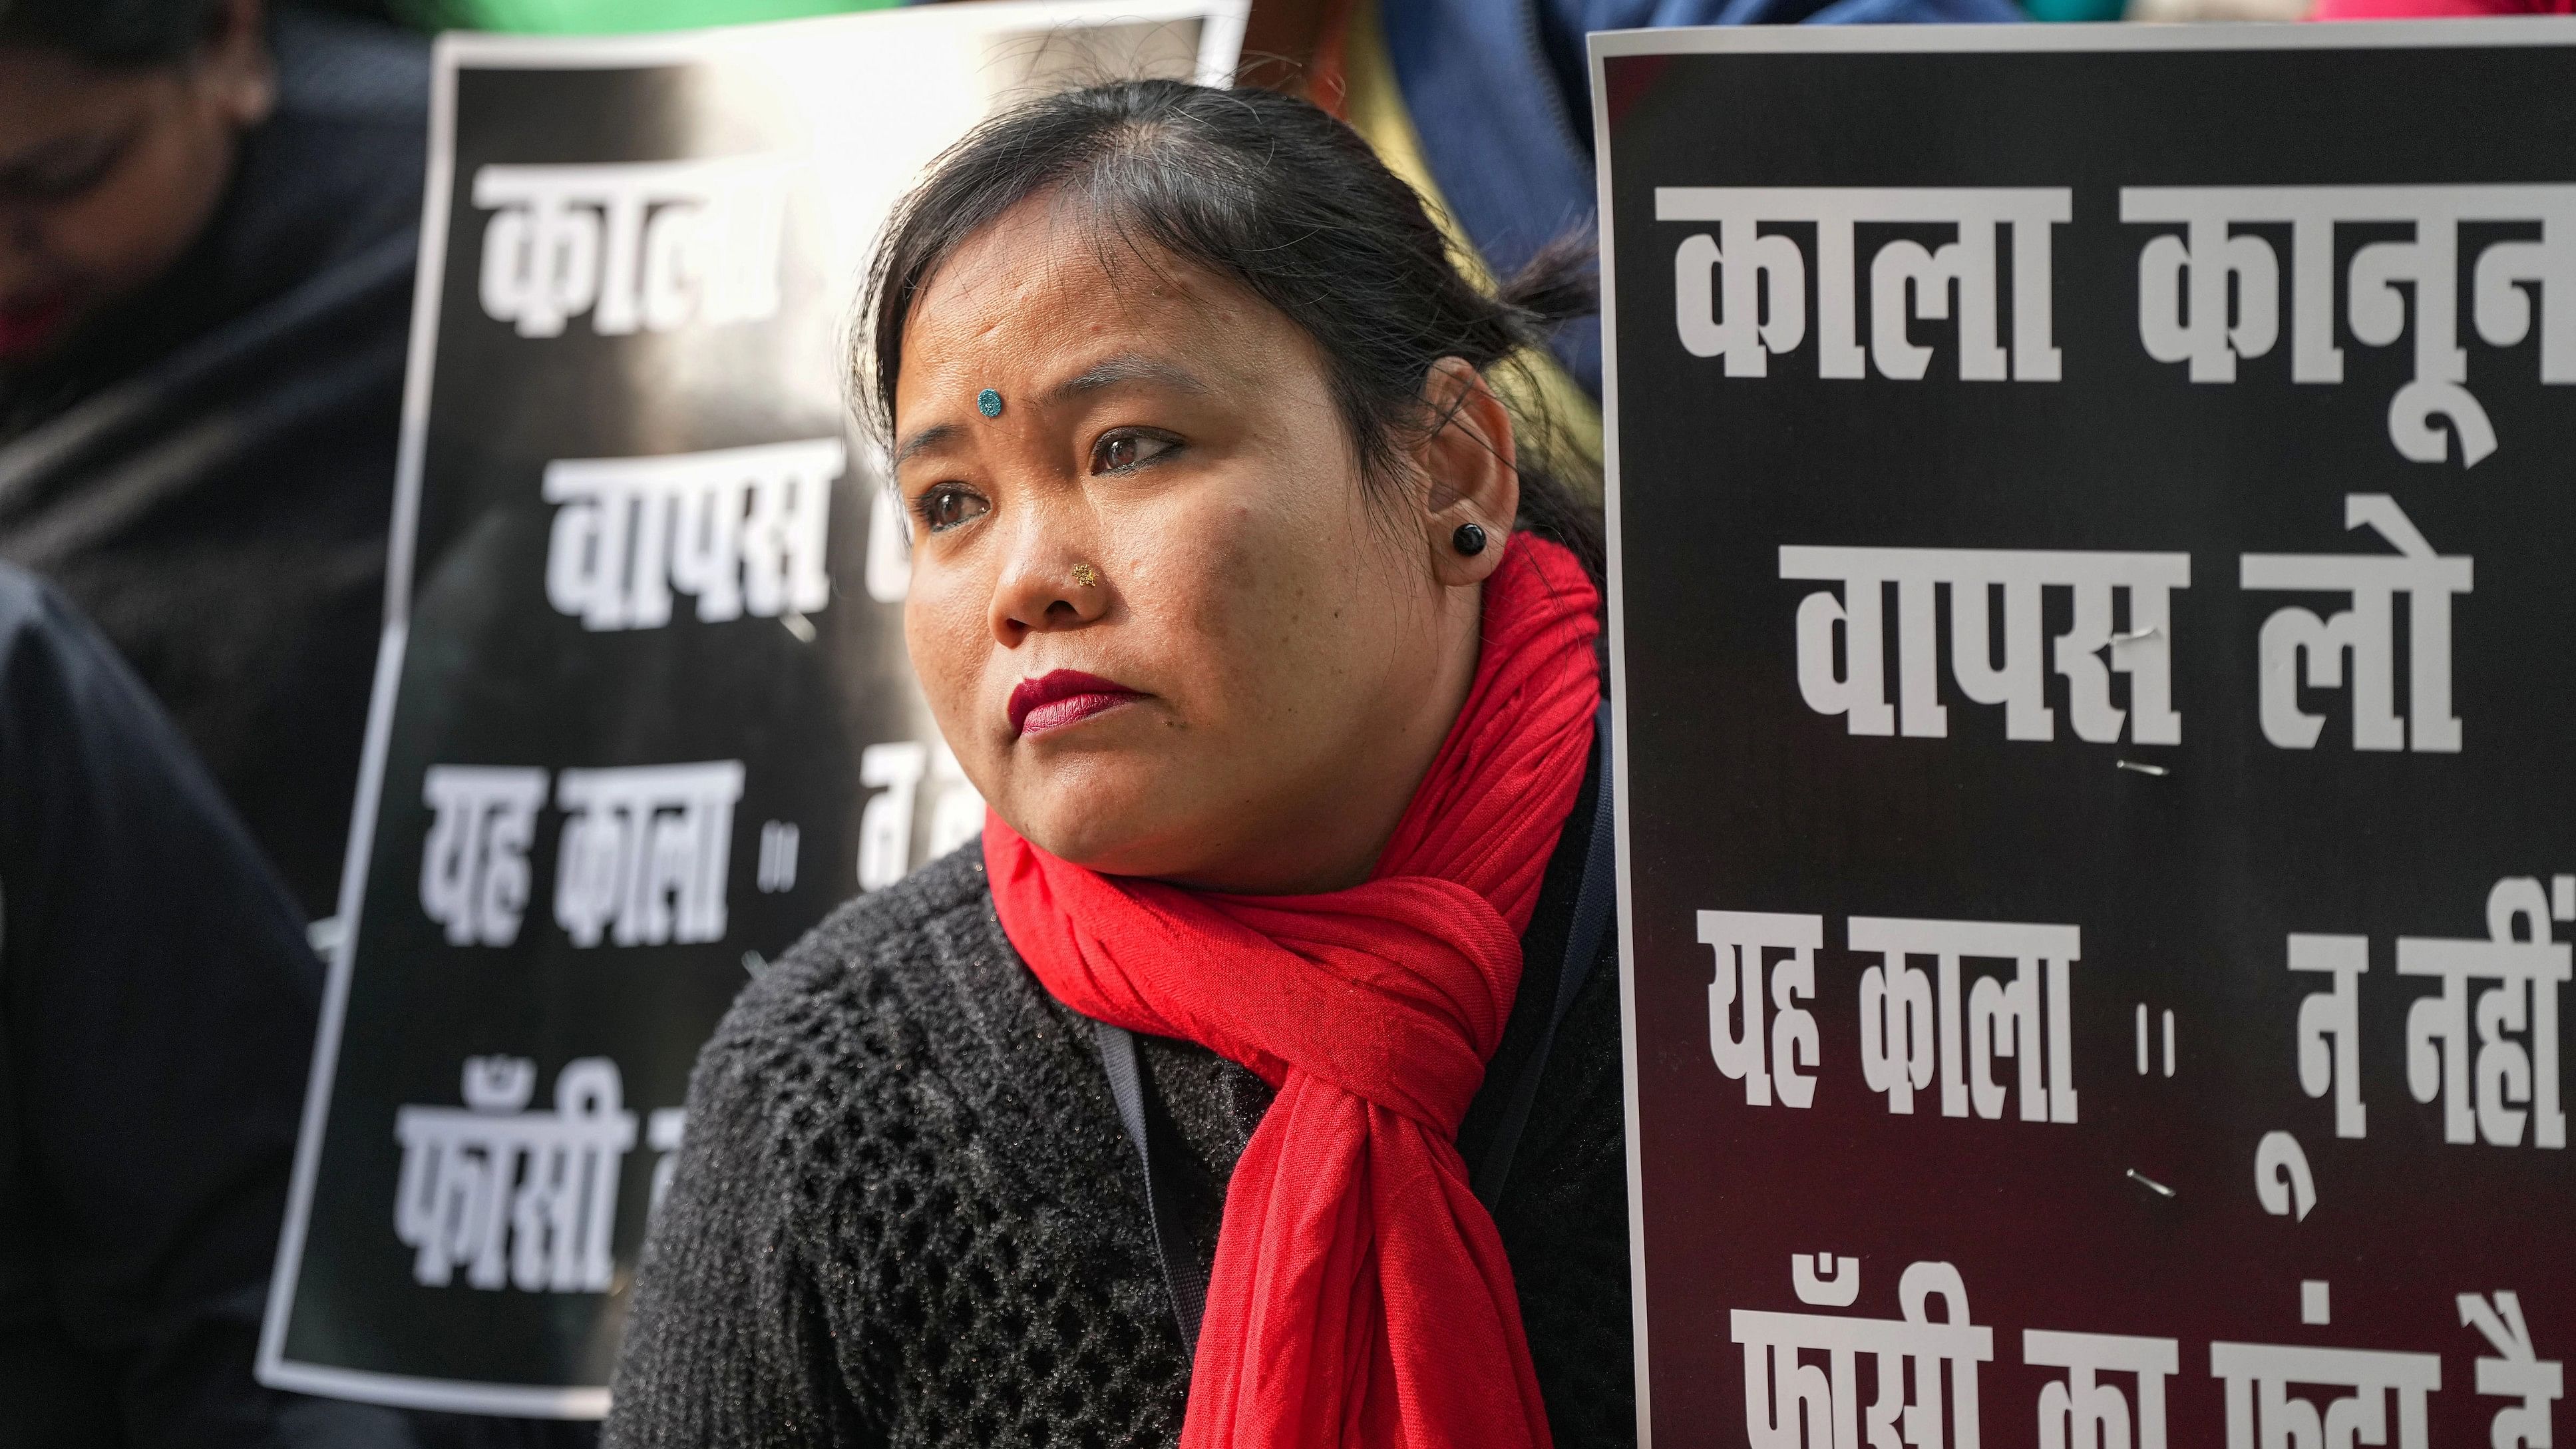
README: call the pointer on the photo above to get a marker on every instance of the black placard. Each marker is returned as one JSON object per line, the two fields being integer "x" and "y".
{"x": 2089, "y": 603}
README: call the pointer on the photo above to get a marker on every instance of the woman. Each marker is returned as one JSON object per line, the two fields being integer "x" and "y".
{"x": 209, "y": 220}
{"x": 1225, "y": 1034}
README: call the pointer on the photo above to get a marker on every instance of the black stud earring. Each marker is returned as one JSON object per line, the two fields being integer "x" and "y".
{"x": 1469, "y": 539}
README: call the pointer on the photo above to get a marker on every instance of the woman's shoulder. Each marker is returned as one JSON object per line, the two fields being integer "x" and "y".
{"x": 905, "y": 1013}
{"x": 944, "y": 904}
{"x": 900, "y": 1155}
{"x": 812, "y": 1130}
{"x": 890, "y": 956}
{"x": 873, "y": 1067}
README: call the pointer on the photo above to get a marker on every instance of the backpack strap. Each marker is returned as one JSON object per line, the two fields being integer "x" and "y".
{"x": 1592, "y": 903}
{"x": 1158, "y": 1146}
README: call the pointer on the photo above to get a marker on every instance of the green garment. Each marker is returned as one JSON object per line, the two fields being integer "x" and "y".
{"x": 602, "y": 17}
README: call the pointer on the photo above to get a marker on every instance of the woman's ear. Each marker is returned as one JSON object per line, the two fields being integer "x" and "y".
{"x": 237, "y": 75}
{"x": 1475, "y": 484}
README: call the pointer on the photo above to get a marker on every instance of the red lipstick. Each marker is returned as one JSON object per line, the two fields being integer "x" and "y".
{"x": 1064, "y": 697}
{"x": 28, "y": 325}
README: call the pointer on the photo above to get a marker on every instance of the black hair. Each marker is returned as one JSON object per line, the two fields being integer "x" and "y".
{"x": 1276, "y": 195}
{"x": 123, "y": 33}
{"x": 110, "y": 32}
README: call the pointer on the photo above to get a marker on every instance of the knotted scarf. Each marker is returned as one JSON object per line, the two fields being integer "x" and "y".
{"x": 1360, "y": 1294}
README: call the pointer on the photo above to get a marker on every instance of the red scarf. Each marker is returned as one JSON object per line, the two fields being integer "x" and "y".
{"x": 1360, "y": 1295}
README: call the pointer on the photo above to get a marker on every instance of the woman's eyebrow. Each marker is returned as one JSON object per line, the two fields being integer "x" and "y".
{"x": 1125, "y": 369}
{"x": 1113, "y": 372}
{"x": 929, "y": 437}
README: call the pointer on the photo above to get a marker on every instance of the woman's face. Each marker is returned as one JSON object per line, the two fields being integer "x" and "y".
{"x": 1161, "y": 621}
{"x": 107, "y": 175}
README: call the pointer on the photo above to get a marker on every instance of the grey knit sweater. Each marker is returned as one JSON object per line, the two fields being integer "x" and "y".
{"x": 906, "y": 1213}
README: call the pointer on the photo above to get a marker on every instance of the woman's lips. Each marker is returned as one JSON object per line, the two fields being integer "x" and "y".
{"x": 27, "y": 324}
{"x": 1064, "y": 697}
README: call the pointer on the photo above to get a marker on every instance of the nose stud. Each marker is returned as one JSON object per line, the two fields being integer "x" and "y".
{"x": 989, "y": 403}
{"x": 1085, "y": 576}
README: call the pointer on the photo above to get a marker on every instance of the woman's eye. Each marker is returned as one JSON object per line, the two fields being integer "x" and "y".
{"x": 64, "y": 176}
{"x": 946, "y": 505}
{"x": 1118, "y": 452}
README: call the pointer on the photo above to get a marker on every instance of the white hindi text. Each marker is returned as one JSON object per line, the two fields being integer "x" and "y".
{"x": 1766, "y": 1064}
{"x": 526, "y": 1199}
{"x": 1781, "y": 1391}
{"x": 642, "y": 859}
{"x": 2515, "y": 1372}
{"x": 2187, "y": 274}
{"x": 1740, "y": 294}
{"x": 2330, "y": 1025}
{"x": 474, "y": 868}
{"x": 2485, "y": 1047}
{"x": 2493, "y": 1087}
{"x": 1917, "y": 1028}
{"x": 2362, "y": 635}
{"x": 2093, "y": 648}
{"x": 2212, "y": 286}
{"x": 2261, "y": 1410}
{"x": 1804, "y": 1385}
{"x": 645, "y": 852}
{"x": 1911, "y": 1025}
{"x": 896, "y": 771}
{"x": 643, "y": 245}
{"x": 2121, "y": 622}
{"x": 744, "y": 530}
{"x": 2081, "y": 1411}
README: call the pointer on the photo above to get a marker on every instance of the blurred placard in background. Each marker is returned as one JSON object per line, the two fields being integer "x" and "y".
{"x": 643, "y": 713}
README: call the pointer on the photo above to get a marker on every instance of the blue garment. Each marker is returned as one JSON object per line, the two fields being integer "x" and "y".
{"x": 1500, "y": 94}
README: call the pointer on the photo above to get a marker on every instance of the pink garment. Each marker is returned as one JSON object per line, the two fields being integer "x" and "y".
{"x": 2435, "y": 9}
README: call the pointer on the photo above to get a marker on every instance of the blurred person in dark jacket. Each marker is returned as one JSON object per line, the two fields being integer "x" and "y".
{"x": 157, "y": 1004}
{"x": 208, "y": 232}
{"x": 208, "y": 225}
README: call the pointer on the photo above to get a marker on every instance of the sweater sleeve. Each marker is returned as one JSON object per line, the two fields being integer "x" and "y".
{"x": 728, "y": 1343}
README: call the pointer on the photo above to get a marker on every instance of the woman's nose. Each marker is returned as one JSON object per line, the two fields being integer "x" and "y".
{"x": 1050, "y": 583}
